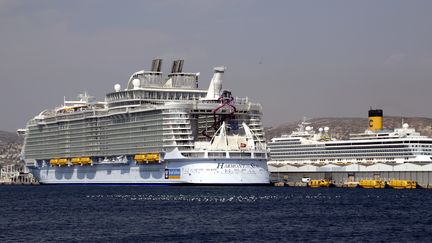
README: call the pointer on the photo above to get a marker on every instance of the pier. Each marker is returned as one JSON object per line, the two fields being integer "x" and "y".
{"x": 423, "y": 179}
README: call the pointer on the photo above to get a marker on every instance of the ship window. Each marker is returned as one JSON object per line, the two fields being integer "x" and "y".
{"x": 235, "y": 155}
{"x": 215, "y": 154}
{"x": 199, "y": 155}
{"x": 259, "y": 155}
{"x": 246, "y": 155}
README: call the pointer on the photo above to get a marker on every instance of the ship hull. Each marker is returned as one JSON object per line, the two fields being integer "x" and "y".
{"x": 170, "y": 172}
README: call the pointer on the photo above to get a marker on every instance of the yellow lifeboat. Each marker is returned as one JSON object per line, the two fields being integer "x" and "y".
{"x": 54, "y": 162}
{"x": 85, "y": 161}
{"x": 319, "y": 183}
{"x": 402, "y": 184}
{"x": 140, "y": 158}
{"x": 153, "y": 157}
{"x": 372, "y": 184}
{"x": 62, "y": 162}
{"x": 76, "y": 161}
{"x": 147, "y": 158}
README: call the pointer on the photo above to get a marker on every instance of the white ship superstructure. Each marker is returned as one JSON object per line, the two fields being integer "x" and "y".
{"x": 156, "y": 130}
{"x": 397, "y": 153}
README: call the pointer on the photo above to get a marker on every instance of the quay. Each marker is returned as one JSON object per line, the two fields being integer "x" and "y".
{"x": 315, "y": 182}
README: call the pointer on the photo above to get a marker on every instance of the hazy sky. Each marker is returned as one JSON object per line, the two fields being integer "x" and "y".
{"x": 296, "y": 58}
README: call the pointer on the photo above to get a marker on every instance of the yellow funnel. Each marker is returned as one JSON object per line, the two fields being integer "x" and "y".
{"x": 375, "y": 120}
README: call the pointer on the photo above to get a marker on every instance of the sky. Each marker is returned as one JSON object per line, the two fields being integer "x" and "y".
{"x": 296, "y": 58}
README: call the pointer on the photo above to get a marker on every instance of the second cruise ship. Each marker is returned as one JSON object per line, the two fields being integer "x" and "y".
{"x": 377, "y": 153}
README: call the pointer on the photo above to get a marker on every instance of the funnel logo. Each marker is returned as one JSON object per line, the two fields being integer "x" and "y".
{"x": 370, "y": 123}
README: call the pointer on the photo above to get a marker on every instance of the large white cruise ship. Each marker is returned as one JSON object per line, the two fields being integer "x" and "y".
{"x": 156, "y": 131}
{"x": 401, "y": 153}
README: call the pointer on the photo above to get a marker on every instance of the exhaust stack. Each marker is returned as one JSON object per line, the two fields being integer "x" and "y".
{"x": 177, "y": 66}
{"x": 215, "y": 88}
{"x": 375, "y": 120}
{"x": 156, "y": 65}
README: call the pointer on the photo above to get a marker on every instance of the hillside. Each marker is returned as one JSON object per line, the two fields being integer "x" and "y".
{"x": 340, "y": 128}
{"x": 10, "y": 148}
{"x": 9, "y": 137}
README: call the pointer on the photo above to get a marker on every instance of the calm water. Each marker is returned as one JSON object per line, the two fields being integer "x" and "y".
{"x": 221, "y": 214}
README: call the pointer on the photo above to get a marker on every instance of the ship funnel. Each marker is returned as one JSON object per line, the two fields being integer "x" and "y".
{"x": 178, "y": 79}
{"x": 177, "y": 66}
{"x": 156, "y": 65}
{"x": 215, "y": 88}
{"x": 375, "y": 120}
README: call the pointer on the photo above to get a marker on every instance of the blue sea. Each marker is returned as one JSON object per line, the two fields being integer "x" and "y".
{"x": 213, "y": 214}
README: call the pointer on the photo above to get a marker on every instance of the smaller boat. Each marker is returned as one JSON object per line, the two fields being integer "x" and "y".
{"x": 63, "y": 162}
{"x": 402, "y": 184}
{"x": 319, "y": 183}
{"x": 54, "y": 162}
{"x": 375, "y": 184}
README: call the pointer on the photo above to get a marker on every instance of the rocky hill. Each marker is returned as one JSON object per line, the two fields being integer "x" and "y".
{"x": 9, "y": 137}
{"x": 340, "y": 128}
{"x": 10, "y": 148}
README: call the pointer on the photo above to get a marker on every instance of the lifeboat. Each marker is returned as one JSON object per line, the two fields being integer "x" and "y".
{"x": 351, "y": 184}
{"x": 376, "y": 184}
{"x": 153, "y": 157}
{"x": 319, "y": 183}
{"x": 147, "y": 158}
{"x": 76, "y": 161}
{"x": 81, "y": 161}
{"x": 54, "y": 162}
{"x": 62, "y": 162}
{"x": 85, "y": 161}
{"x": 140, "y": 158}
{"x": 402, "y": 184}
